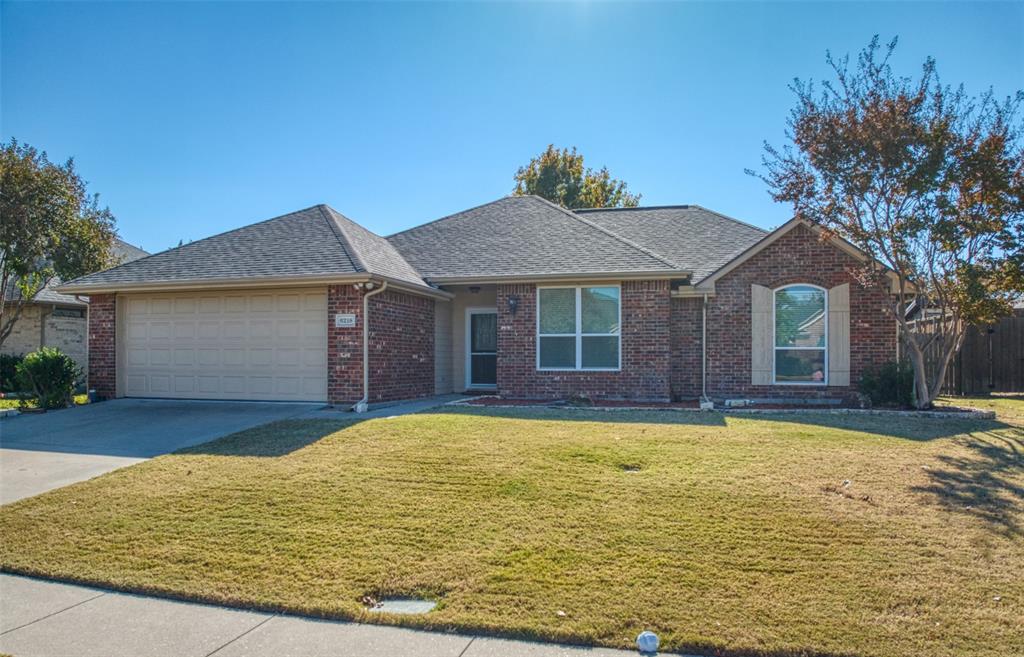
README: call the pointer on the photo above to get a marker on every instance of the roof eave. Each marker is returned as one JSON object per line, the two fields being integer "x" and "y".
{"x": 241, "y": 283}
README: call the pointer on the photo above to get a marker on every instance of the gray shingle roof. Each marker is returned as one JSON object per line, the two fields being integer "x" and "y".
{"x": 372, "y": 252}
{"x": 693, "y": 237}
{"x": 125, "y": 252}
{"x": 520, "y": 236}
{"x": 310, "y": 242}
{"x": 511, "y": 237}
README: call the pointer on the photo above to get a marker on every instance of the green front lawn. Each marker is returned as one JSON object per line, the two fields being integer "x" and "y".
{"x": 767, "y": 535}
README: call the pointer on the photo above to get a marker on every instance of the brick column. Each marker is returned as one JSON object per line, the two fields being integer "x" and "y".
{"x": 401, "y": 346}
{"x": 103, "y": 345}
{"x": 344, "y": 346}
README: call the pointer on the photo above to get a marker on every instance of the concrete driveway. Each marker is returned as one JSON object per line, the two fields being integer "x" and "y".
{"x": 46, "y": 451}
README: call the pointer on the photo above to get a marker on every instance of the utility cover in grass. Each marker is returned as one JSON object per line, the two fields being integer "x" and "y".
{"x": 404, "y": 606}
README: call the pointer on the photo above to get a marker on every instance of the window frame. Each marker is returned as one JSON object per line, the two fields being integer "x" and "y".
{"x": 579, "y": 334}
{"x": 823, "y": 349}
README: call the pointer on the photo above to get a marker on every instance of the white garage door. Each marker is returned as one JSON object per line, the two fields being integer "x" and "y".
{"x": 265, "y": 345}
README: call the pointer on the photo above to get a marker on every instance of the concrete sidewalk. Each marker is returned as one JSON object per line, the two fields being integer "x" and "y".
{"x": 39, "y": 618}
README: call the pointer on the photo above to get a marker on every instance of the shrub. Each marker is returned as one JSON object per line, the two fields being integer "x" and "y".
{"x": 891, "y": 384}
{"x": 8, "y": 372}
{"x": 50, "y": 375}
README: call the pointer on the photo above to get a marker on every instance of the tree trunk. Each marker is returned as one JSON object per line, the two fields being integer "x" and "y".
{"x": 922, "y": 396}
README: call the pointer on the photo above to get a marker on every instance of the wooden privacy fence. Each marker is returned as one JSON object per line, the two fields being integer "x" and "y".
{"x": 991, "y": 360}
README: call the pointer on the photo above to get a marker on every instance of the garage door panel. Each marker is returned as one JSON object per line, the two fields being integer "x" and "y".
{"x": 159, "y": 330}
{"x": 261, "y": 357}
{"x": 266, "y": 345}
{"x": 159, "y": 356}
{"x": 160, "y": 307}
{"x": 289, "y": 328}
{"x": 310, "y": 357}
{"x": 261, "y": 303}
{"x": 314, "y": 302}
{"x": 289, "y": 303}
{"x": 234, "y": 330}
{"x": 208, "y": 357}
{"x": 314, "y": 329}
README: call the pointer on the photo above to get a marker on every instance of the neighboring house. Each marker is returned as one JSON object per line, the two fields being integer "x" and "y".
{"x": 58, "y": 320}
{"x": 519, "y": 297}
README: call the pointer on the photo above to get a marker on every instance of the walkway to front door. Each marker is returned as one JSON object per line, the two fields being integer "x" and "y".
{"x": 482, "y": 347}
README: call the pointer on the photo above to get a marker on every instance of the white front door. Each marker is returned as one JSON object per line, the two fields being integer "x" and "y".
{"x": 481, "y": 348}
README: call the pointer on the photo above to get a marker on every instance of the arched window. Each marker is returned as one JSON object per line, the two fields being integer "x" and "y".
{"x": 801, "y": 335}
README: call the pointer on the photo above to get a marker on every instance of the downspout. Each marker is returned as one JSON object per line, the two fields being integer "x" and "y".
{"x": 704, "y": 352}
{"x": 363, "y": 404}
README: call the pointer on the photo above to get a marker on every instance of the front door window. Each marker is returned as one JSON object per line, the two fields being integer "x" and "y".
{"x": 483, "y": 348}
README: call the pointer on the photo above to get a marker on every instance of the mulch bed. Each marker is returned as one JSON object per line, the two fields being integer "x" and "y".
{"x": 938, "y": 411}
{"x": 561, "y": 403}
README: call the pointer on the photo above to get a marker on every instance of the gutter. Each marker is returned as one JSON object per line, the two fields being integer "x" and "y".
{"x": 234, "y": 284}
{"x": 704, "y": 353}
{"x": 362, "y": 405}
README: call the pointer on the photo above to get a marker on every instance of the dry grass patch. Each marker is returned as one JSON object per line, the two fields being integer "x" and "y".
{"x": 769, "y": 535}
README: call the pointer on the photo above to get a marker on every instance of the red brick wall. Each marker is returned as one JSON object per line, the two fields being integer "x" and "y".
{"x": 102, "y": 341}
{"x": 797, "y": 257}
{"x": 686, "y": 348}
{"x": 401, "y": 346}
{"x": 646, "y": 357}
{"x": 344, "y": 346}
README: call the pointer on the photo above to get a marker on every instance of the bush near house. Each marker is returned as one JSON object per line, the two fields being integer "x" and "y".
{"x": 8, "y": 371}
{"x": 891, "y": 385}
{"x": 50, "y": 375}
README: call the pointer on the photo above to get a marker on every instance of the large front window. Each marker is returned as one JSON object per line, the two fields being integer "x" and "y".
{"x": 578, "y": 328}
{"x": 801, "y": 336}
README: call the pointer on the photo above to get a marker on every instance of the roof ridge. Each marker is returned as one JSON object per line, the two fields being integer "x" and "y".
{"x": 604, "y": 230}
{"x": 344, "y": 240}
{"x": 449, "y": 216}
{"x": 682, "y": 206}
{"x": 732, "y": 219}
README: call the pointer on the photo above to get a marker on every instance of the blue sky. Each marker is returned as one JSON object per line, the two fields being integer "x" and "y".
{"x": 194, "y": 118}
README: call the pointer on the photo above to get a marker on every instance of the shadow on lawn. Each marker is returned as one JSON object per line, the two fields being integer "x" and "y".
{"x": 895, "y": 426}
{"x": 271, "y": 440}
{"x": 987, "y": 483}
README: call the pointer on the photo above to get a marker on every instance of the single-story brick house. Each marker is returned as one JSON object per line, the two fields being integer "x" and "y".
{"x": 58, "y": 320}
{"x": 518, "y": 297}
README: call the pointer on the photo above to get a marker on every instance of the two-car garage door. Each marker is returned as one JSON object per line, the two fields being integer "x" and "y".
{"x": 260, "y": 345}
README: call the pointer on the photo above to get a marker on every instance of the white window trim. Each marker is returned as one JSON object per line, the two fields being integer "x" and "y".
{"x": 470, "y": 311}
{"x": 824, "y": 349}
{"x": 579, "y": 335}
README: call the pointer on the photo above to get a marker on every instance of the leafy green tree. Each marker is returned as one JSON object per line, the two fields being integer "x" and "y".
{"x": 50, "y": 228}
{"x": 925, "y": 179}
{"x": 561, "y": 177}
